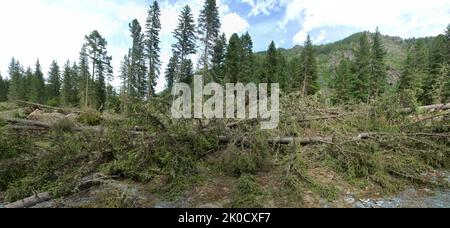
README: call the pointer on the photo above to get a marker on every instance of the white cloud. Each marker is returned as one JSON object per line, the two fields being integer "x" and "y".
{"x": 48, "y": 29}
{"x": 261, "y": 6}
{"x": 321, "y": 37}
{"x": 405, "y": 18}
{"x": 233, "y": 23}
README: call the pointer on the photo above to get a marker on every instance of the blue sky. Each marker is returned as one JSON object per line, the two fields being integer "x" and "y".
{"x": 54, "y": 29}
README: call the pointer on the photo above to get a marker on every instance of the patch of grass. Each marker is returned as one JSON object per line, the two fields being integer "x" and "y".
{"x": 63, "y": 125}
{"x": 241, "y": 160}
{"x": 248, "y": 193}
{"x": 90, "y": 117}
{"x": 113, "y": 198}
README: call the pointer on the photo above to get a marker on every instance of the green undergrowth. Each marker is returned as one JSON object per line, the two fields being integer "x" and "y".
{"x": 173, "y": 156}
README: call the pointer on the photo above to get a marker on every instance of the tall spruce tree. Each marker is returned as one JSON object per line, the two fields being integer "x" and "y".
{"x": 283, "y": 72}
{"x": 271, "y": 65}
{"x": 101, "y": 70}
{"x": 138, "y": 71}
{"x": 3, "y": 89}
{"x": 343, "y": 78}
{"x": 15, "y": 91}
{"x": 233, "y": 60}
{"x": 37, "y": 87}
{"x": 153, "y": 26}
{"x": 440, "y": 69}
{"x": 27, "y": 79}
{"x": 247, "y": 58}
{"x": 125, "y": 90}
{"x": 186, "y": 38}
{"x": 218, "y": 59}
{"x": 208, "y": 30}
{"x": 413, "y": 76}
{"x": 69, "y": 91}
{"x": 378, "y": 75}
{"x": 308, "y": 69}
{"x": 437, "y": 59}
{"x": 171, "y": 70}
{"x": 54, "y": 84}
{"x": 362, "y": 67}
{"x": 84, "y": 78}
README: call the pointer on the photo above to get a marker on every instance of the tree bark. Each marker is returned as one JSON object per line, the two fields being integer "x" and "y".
{"x": 31, "y": 201}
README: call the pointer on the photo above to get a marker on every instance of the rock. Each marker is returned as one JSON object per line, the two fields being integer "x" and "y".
{"x": 48, "y": 118}
{"x": 210, "y": 206}
{"x": 349, "y": 200}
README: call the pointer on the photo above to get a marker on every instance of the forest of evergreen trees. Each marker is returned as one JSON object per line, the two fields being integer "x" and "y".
{"x": 85, "y": 83}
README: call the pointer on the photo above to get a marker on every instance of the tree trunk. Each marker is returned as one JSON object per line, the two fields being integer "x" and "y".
{"x": 31, "y": 201}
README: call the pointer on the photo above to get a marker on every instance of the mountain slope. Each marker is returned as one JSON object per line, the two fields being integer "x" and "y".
{"x": 329, "y": 55}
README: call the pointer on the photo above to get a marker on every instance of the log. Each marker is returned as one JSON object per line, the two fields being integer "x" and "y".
{"x": 26, "y": 128}
{"x": 284, "y": 140}
{"x": 31, "y": 201}
{"x": 27, "y": 123}
{"x": 41, "y": 106}
{"x": 301, "y": 141}
{"x": 428, "y": 108}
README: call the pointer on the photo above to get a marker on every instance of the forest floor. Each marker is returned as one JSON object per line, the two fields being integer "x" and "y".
{"x": 90, "y": 160}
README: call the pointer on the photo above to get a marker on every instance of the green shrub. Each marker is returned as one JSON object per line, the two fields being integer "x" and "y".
{"x": 238, "y": 161}
{"x": 247, "y": 194}
{"x": 90, "y": 117}
{"x": 54, "y": 102}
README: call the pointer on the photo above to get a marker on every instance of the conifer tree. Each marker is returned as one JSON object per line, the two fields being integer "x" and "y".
{"x": 413, "y": 76}
{"x": 362, "y": 69}
{"x": 84, "y": 78}
{"x": 3, "y": 89}
{"x": 101, "y": 70}
{"x": 271, "y": 65}
{"x": 171, "y": 70}
{"x": 125, "y": 90}
{"x": 233, "y": 60}
{"x": 308, "y": 69}
{"x": 37, "y": 90}
{"x": 208, "y": 30}
{"x": 187, "y": 71}
{"x": 247, "y": 59}
{"x": 153, "y": 26}
{"x": 15, "y": 91}
{"x": 69, "y": 90}
{"x": 342, "y": 80}
{"x": 138, "y": 72}
{"x": 283, "y": 72}
{"x": 27, "y": 81}
{"x": 186, "y": 38}
{"x": 437, "y": 59}
{"x": 218, "y": 59}
{"x": 54, "y": 84}
{"x": 378, "y": 76}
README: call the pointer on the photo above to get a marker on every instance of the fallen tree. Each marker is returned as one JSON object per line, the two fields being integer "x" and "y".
{"x": 295, "y": 140}
{"x": 29, "y": 125}
{"x": 30, "y": 201}
{"x": 41, "y": 106}
{"x": 428, "y": 108}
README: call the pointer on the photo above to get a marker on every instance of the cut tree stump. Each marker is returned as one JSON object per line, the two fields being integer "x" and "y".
{"x": 31, "y": 201}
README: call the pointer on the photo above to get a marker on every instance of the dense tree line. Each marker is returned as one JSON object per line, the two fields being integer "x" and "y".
{"x": 359, "y": 77}
{"x": 425, "y": 78}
